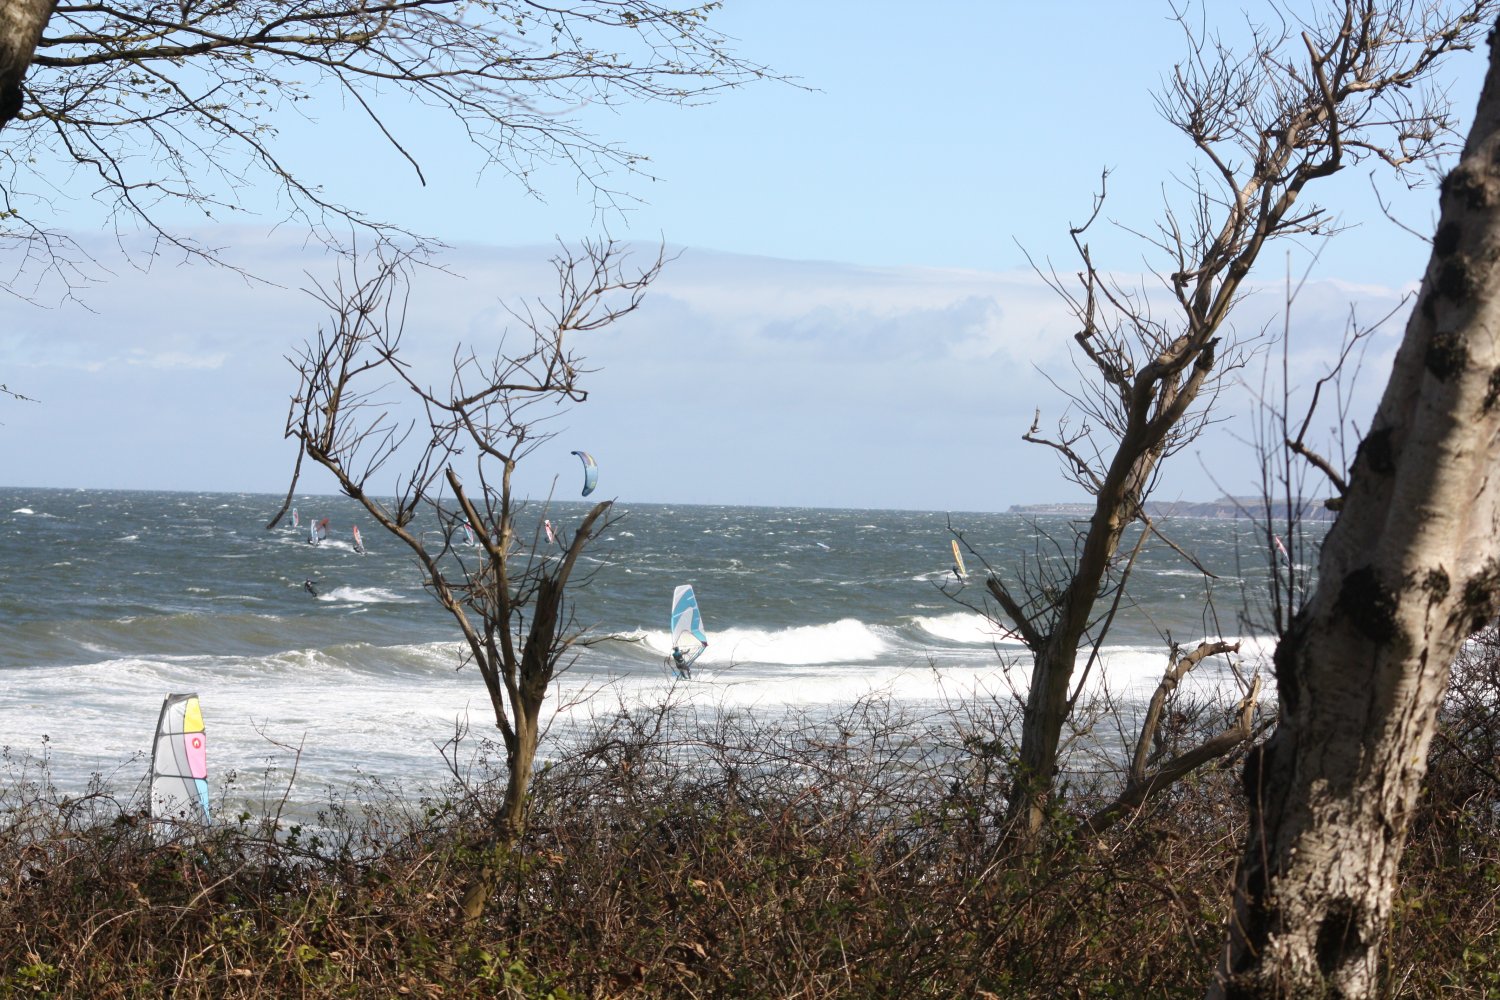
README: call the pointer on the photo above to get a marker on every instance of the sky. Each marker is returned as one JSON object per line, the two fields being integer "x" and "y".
{"x": 850, "y": 318}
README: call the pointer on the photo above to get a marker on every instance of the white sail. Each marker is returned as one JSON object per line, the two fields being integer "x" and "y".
{"x": 179, "y": 762}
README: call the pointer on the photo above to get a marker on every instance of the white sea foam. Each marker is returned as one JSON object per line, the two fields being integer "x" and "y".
{"x": 1132, "y": 672}
{"x": 845, "y": 641}
{"x": 362, "y": 595}
{"x": 302, "y": 708}
{"x": 338, "y": 710}
{"x": 742, "y": 687}
{"x": 964, "y": 626}
{"x": 23, "y": 510}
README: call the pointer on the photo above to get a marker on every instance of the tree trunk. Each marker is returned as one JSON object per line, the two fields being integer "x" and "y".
{"x": 21, "y": 25}
{"x": 1048, "y": 704}
{"x": 539, "y": 660}
{"x": 509, "y": 822}
{"x": 1045, "y": 712}
{"x": 1410, "y": 569}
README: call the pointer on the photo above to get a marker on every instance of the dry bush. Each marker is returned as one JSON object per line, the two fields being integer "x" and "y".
{"x": 674, "y": 854}
{"x": 1445, "y": 936}
{"x": 858, "y": 855}
{"x": 356, "y": 901}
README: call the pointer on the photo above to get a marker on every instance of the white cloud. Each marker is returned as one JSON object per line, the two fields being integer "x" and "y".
{"x": 176, "y": 359}
{"x": 805, "y": 382}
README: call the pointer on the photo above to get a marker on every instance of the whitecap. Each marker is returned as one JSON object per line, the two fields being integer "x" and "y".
{"x": 964, "y": 626}
{"x": 847, "y": 640}
{"x": 362, "y": 595}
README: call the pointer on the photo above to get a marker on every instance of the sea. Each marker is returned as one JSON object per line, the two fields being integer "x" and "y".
{"x": 111, "y": 600}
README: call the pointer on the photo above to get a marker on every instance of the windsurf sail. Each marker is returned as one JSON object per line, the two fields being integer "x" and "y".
{"x": 958, "y": 562}
{"x": 590, "y": 471}
{"x": 688, "y": 638}
{"x": 296, "y": 521}
{"x": 551, "y": 535}
{"x": 322, "y": 530}
{"x": 468, "y": 534}
{"x": 359, "y": 543}
{"x": 179, "y": 762}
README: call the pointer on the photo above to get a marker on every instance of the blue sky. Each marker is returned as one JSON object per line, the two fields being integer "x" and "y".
{"x": 851, "y": 321}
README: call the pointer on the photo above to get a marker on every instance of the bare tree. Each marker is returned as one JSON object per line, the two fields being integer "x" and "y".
{"x": 506, "y": 595}
{"x": 1410, "y": 568}
{"x": 1304, "y": 98}
{"x": 169, "y": 103}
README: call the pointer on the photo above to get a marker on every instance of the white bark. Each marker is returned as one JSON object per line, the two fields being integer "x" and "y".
{"x": 21, "y": 24}
{"x": 1409, "y": 570}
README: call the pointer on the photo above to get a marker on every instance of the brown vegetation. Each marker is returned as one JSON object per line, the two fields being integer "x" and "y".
{"x": 674, "y": 856}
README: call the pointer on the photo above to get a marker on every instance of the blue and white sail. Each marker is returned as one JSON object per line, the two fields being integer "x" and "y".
{"x": 688, "y": 638}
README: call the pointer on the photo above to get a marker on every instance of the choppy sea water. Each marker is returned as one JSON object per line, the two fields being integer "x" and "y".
{"x": 110, "y": 600}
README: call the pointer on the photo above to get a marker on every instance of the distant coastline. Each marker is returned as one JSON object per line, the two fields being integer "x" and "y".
{"x": 1222, "y": 509}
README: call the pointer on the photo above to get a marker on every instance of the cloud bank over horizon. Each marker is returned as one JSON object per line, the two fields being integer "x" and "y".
{"x": 741, "y": 379}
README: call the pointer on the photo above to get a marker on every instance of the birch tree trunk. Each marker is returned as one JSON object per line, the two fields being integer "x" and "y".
{"x": 1410, "y": 569}
{"x": 21, "y": 24}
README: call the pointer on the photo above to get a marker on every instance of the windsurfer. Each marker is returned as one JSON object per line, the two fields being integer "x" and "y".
{"x": 683, "y": 664}
{"x": 311, "y": 586}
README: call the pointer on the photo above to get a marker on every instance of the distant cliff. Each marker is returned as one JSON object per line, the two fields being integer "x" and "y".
{"x": 1223, "y": 509}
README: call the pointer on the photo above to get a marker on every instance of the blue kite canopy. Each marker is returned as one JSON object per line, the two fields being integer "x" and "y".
{"x": 590, "y": 472}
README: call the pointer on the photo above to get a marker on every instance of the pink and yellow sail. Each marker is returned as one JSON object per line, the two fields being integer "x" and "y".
{"x": 179, "y": 762}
